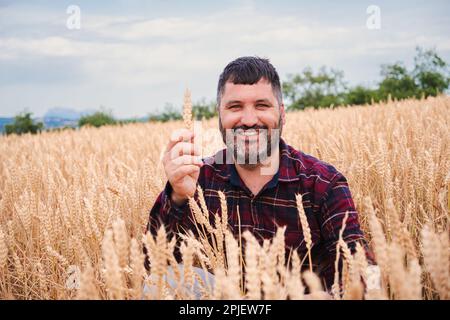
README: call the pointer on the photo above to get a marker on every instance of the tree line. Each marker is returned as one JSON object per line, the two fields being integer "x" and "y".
{"x": 325, "y": 88}
{"x": 428, "y": 77}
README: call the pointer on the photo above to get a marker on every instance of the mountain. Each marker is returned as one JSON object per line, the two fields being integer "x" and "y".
{"x": 59, "y": 117}
{"x": 66, "y": 113}
{"x": 56, "y": 117}
{"x": 5, "y": 121}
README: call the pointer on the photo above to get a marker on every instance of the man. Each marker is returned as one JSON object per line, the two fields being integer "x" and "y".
{"x": 264, "y": 174}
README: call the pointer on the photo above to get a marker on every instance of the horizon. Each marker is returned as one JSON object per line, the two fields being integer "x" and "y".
{"x": 134, "y": 57}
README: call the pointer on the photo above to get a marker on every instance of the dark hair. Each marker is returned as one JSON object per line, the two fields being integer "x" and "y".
{"x": 249, "y": 70}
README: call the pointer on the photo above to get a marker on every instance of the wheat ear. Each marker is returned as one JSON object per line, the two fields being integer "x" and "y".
{"x": 305, "y": 227}
{"x": 187, "y": 110}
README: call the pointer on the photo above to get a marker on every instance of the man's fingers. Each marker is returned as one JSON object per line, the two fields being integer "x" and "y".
{"x": 187, "y": 159}
{"x": 185, "y": 170}
{"x": 173, "y": 141}
{"x": 184, "y": 148}
{"x": 178, "y": 136}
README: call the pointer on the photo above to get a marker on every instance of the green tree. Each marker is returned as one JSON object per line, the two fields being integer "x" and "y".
{"x": 431, "y": 73}
{"x": 317, "y": 90}
{"x": 201, "y": 109}
{"x": 127, "y": 121}
{"x": 168, "y": 114}
{"x": 397, "y": 82}
{"x": 23, "y": 123}
{"x": 97, "y": 119}
{"x": 360, "y": 95}
{"x": 429, "y": 77}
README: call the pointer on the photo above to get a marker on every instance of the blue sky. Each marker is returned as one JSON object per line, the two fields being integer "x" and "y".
{"x": 133, "y": 57}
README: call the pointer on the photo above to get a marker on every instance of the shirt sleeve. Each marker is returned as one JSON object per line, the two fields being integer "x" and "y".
{"x": 175, "y": 219}
{"x": 166, "y": 212}
{"x": 336, "y": 202}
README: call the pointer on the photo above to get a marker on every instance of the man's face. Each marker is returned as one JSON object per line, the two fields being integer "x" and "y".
{"x": 253, "y": 114}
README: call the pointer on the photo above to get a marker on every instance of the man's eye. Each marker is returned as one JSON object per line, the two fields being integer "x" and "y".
{"x": 262, "y": 105}
{"x": 236, "y": 106}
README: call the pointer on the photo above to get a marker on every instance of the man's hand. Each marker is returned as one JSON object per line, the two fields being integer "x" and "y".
{"x": 182, "y": 162}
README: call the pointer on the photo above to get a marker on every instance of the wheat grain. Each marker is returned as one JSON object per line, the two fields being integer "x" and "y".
{"x": 188, "y": 274}
{"x": 305, "y": 228}
{"x": 137, "y": 267}
{"x": 233, "y": 266}
{"x": 121, "y": 241}
{"x": 294, "y": 284}
{"x": 112, "y": 272}
{"x": 88, "y": 290}
{"x": 252, "y": 271}
{"x": 187, "y": 110}
{"x": 3, "y": 250}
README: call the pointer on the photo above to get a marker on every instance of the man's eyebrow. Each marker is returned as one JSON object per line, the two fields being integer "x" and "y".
{"x": 257, "y": 101}
{"x": 232, "y": 102}
{"x": 264, "y": 100}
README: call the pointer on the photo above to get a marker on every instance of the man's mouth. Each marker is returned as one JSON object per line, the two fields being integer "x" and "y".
{"x": 247, "y": 133}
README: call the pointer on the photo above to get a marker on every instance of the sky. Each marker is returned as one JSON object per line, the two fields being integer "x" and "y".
{"x": 135, "y": 57}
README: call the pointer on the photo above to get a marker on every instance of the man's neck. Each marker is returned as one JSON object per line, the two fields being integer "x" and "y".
{"x": 255, "y": 176}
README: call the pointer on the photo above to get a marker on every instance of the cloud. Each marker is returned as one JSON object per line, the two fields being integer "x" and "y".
{"x": 135, "y": 59}
{"x": 39, "y": 72}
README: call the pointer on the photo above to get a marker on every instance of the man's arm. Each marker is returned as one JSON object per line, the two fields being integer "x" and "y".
{"x": 336, "y": 203}
{"x": 175, "y": 218}
{"x": 182, "y": 163}
{"x": 167, "y": 212}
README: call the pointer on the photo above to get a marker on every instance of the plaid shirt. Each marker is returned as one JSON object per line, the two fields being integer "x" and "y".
{"x": 326, "y": 198}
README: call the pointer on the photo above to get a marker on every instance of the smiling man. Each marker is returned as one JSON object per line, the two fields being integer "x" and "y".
{"x": 259, "y": 173}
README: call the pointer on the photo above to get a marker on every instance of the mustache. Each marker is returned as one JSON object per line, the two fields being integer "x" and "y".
{"x": 244, "y": 128}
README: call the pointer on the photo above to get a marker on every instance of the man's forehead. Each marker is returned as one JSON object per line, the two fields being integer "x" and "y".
{"x": 263, "y": 83}
{"x": 260, "y": 90}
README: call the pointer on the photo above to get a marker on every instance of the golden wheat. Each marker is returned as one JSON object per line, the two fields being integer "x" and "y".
{"x": 81, "y": 199}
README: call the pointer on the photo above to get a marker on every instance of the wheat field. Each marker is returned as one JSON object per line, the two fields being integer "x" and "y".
{"x": 74, "y": 206}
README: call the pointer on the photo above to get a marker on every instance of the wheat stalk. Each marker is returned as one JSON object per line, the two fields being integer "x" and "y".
{"x": 3, "y": 250}
{"x": 305, "y": 228}
{"x": 187, "y": 110}
{"x": 112, "y": 271}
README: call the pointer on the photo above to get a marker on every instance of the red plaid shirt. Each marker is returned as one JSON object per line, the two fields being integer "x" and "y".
{"x": 326, "y": 198}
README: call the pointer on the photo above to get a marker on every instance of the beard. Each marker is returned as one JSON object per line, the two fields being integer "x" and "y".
{"x": 250, "y": 146}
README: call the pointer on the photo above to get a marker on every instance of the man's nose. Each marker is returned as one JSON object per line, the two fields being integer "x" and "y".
{"x": 249, "y": 117}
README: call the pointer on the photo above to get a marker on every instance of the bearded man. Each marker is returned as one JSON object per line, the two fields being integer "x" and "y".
{"x": 259, "y": 173}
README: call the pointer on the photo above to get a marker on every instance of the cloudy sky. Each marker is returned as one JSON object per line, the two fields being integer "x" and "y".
{"x": 133, "y": 57}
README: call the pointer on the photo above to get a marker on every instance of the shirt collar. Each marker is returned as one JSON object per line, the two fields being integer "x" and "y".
{"x": 288, "y": 169}
{"x": 236, "y": 180}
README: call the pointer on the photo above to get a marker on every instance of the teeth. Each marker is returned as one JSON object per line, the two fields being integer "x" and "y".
{"x": 248, "y": 133}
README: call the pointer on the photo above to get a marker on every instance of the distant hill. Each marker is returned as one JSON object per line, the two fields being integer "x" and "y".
{"x": 59, "y": 117}
{"x": 49, "y": 123}
{"x": 56, "y": 117}
{"x": 5, "y": 121}
{"x": 66, "y": 113}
